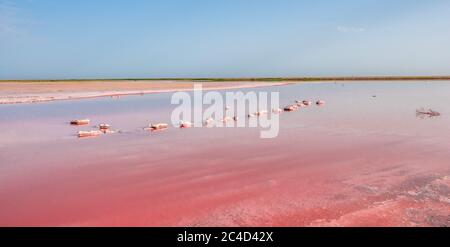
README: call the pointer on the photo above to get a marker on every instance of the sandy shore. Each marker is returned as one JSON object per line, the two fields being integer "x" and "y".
{"x": 14, "y": 92}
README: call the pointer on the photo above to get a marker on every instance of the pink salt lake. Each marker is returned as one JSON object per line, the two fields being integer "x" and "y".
{"x": 357, "y": 161}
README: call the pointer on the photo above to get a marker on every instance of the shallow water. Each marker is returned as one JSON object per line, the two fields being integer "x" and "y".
{"x": 359, "y": 160}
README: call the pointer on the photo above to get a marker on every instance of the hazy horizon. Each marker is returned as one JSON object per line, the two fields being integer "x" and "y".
{"x": 198, "y": 39}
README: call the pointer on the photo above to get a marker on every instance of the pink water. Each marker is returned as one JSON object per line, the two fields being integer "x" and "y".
{"x": 358, "y": 161}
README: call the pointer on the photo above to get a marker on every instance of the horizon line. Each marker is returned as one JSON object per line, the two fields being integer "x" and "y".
{"x": 306, "y": 78}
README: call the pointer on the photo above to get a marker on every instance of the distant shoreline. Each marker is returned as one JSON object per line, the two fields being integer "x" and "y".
{"x": 253, "y": 79}
{"x": 35, "y": 91}
{"x": 12, "y": 92}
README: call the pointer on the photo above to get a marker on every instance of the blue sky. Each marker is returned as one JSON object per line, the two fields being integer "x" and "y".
{"x": 48, "y": 39}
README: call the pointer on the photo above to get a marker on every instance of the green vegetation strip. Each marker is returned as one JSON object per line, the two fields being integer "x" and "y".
{"x": 268, "y": 79}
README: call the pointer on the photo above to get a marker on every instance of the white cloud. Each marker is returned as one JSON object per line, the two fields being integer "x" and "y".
{"x": 349, "y": 29}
